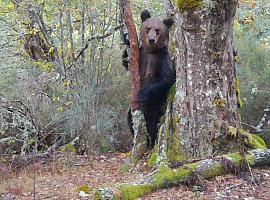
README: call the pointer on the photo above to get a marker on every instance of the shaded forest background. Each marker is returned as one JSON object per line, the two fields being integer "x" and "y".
{"x": 75, "y": 91}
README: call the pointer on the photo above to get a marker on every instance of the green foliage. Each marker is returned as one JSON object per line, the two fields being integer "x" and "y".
{"x": 68, "y": 148}
{"x": 252, "y": 42}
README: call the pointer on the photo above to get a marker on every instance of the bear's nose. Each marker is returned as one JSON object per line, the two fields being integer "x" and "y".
{"x": 151, "y": 41}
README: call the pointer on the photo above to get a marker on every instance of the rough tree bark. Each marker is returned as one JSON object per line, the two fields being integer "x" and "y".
{"x": 139, "y": 126}
{"x": 206, "y": 95}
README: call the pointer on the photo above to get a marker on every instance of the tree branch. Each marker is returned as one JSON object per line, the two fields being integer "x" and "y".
{"x": 97, "y": 37}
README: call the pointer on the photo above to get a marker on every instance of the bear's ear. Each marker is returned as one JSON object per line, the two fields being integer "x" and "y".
{"x": 168, "y": 22}
{"x": 145, "y": 15}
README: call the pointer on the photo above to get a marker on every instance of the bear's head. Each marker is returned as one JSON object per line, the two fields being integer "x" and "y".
{"x": 154, "y": 31}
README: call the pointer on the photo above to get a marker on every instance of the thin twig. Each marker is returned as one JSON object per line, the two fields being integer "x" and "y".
{"x": 99, "y": 38}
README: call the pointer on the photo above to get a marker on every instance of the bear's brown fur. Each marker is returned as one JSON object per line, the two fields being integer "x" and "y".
{"x": 155, "y": 70}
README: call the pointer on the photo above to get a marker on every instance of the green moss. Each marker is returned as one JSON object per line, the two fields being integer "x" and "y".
{"x": 174, "y": 153}
{"x": 236, "y": 87}
{"x": 173, "y": 176}
{"x": 255, "y": 141}
{"x": 130, "y": 192}
{"x": 171, "y": 94}
{"x": 183, "y": 173}
{"x": 164, "y": 175}
{"x": 238, "y": 95}
{"x": 216, "y": 170}
{"x": 188, "y": 4}
{"x": 171, "y": 45}
{"x": 153, "y": 157}
{"x": 249, "y": 158}
{"x": 235, "y": 156}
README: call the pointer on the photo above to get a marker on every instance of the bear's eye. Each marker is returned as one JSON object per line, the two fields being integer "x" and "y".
{"x": 147, "y": 30}
{"x": 157, "y": 31}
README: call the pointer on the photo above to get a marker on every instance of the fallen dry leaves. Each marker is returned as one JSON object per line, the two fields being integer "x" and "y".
{"x": 69, "y": 176}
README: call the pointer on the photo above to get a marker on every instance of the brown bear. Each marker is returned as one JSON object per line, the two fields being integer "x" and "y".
{"x": 155, "y": 70}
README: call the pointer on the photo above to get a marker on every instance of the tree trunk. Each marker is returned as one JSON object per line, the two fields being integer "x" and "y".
{"x": 139, "y": 126}
{"x": 206, "y": 93}
{"x": 205, "y": 106}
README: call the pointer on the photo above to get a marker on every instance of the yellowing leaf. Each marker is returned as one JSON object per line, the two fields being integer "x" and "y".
{"x": 237, "y": 58}
{"x": 51, "y": 50}
{"x": 109, "y": 67}
{"x": 60, "y": 109}
{"x": 236, "y": 24}
{"x": 84, "y": 188}
{"x": 66, "y": 61}
{"x": 66, "y": 83}
{"x": 69, "y": 46}
{"x": 11, "y": 6}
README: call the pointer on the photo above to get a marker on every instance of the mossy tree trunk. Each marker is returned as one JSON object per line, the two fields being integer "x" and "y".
{"x": 206, "y": 102}
{"x": 205, "y": 107}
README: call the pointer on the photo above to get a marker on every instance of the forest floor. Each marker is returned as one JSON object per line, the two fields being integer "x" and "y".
{"x": 69, "y": 176}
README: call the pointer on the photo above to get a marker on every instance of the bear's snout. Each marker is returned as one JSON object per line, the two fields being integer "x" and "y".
{"x": 151, "y": 41}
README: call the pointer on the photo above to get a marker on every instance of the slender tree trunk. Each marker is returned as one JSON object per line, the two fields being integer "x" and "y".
{"x": 70, "y": 30}
{"x": 83, "y": 31}
{"x": 139, "y": 126}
